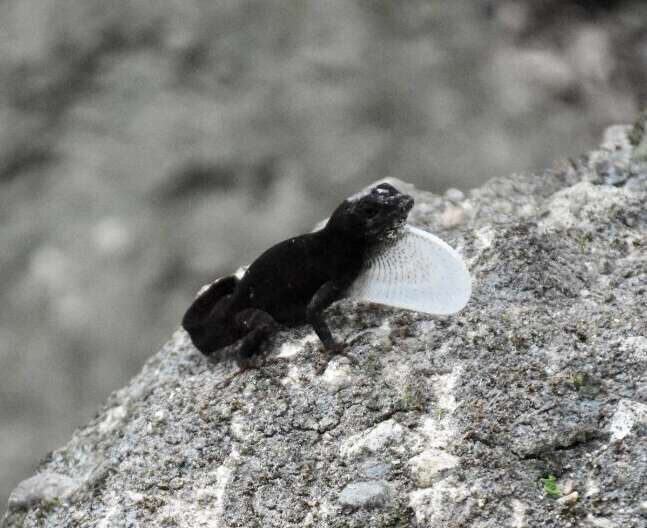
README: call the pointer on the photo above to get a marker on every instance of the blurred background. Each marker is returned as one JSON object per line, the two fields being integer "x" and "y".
{"x": 147, "y": 146}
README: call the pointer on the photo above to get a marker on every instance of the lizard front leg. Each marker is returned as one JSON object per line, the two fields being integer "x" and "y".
{"x": 325, "y": 296}
{"x": 252, "y": 327}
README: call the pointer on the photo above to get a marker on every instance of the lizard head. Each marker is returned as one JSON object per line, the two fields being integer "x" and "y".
{"x": 373, "y": 215}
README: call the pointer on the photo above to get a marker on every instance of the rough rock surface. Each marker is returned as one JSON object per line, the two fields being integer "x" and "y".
{"x": 443, "y": 421}
{"x": 147, "y": 144}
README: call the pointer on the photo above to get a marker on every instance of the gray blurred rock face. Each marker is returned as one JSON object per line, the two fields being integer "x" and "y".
{"x": 148, "y": 145}
{"x": 442, "y": 421}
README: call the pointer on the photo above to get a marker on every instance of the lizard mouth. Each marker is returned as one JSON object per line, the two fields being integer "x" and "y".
{"x": 399, "y": 208}
{"x": 406, "y": 203}
{"x": 402, "y": 206}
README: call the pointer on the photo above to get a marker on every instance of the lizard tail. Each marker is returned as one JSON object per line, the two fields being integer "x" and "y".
{"x": 202, "y": 318}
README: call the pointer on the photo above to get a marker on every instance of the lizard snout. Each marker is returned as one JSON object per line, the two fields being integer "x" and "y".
{"x": 402, "y": 204}
{"x": 406, "y": 203}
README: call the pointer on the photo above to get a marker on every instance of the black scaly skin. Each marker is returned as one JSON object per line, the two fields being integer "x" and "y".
{"x": 294, "y": 281}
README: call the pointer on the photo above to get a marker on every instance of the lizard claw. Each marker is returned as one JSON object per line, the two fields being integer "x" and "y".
{"x": 335, "y": 349}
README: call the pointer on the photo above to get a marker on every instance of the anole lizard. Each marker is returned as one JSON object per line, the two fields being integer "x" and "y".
{"x": 293, "y": 282}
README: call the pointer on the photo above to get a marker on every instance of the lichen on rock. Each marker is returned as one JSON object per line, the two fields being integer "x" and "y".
{"x": 436, "y": 420}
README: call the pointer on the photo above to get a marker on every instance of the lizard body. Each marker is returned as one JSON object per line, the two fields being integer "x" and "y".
{"x": 294, "y": 281}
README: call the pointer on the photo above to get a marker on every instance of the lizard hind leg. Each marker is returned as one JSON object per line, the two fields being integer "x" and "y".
{"x": 255, "y": 326}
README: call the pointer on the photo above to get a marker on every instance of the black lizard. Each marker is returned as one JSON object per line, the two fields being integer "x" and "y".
{"x": 294, "y": 281}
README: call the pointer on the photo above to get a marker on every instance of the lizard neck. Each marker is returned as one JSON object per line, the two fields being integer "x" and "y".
{"x": 337, "y": 238}
{"x": 345, "y": 253}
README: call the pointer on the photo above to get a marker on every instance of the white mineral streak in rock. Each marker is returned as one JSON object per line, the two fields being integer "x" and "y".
{"x": 433, "y": 506}
{"x": 628, "y": 413}
{"x": 444, "y": 389}
{"x": 337, "y": 373}
{"x": 292, "y": 348}
{"x": 239, "y": 427}
{"x": 432, "y": 502}
{"x": 185, "y": 514}
{"x": 439, "y": 428}
{"x": 428, "y": 465}
{"x": 374, "y": 439}
{"x": 518, "y": 519}
{"x": 223, "y": 474}
{"x": 293, "y": 377}
{"x": 114, "y": 417}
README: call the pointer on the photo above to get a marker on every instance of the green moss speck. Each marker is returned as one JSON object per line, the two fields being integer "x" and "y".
{"x": 550, "y": 486}
{"x": 578, "y": 379}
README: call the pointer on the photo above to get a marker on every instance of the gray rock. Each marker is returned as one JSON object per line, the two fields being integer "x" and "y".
{"x": 48, "y": 488}
{"x": 155, "y": 116}
{"x": 374, "y": 470}
{"x": 371, "y": 493}
{"x": 449, "y": 421}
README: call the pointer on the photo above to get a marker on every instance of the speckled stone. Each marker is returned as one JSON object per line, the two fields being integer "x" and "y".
{"x": 46, "y": 487}
{"x": 436, "y": 421}
{"x": 370, "y": 494}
